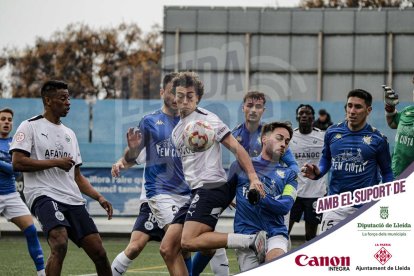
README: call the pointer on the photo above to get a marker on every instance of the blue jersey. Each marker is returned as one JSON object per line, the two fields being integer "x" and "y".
{"x": 252, "y": 143}
{"x": 163, "y": 168}
{"x": 355, "y": 158}
{"x": 280, "y": 185}
{"x": 7, "y": 176}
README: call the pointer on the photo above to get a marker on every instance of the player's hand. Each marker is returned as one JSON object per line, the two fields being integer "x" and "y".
{"x": 134, "y": 138}
{"x": 116, "y": 169}
{"x": 65, "y": 163}
{"x": 253, "y": 196}
{"x": 257, "y": 185}
{"x": 106, "y": 205}
{"x": 310, "y": 171}
{"x": 390, "y": 97}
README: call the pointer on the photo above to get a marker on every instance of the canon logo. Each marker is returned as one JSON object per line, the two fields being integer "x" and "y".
{"x": 304, "y": 260}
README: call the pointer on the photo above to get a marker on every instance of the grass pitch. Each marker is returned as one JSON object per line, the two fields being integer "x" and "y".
{"x": 15, "y": 259}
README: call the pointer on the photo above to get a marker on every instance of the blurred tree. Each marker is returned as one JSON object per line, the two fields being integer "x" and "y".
{"x": 355, "y": 3}
{"x": 94, "y": 63}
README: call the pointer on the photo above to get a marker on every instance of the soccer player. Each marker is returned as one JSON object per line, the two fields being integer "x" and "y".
{"x": 193, "y": 226}
{"x": 355, "y": 152}
{"x": 280, "y": 186}
{"x": 403, "y": 121}
{"x": 165, "y": 186}
{"x": 163, "y": 171}
{"x": 11, "y": 205}
{"x": 307, "y": 145}
{"x": 248, "y": 133}
{"x": 47, "y": 152}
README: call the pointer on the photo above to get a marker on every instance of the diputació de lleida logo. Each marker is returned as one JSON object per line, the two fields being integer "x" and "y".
{"x": 384, "y": 212}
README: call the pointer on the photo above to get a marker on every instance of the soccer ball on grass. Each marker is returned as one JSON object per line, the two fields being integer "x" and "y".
{"x": 198, "y": 135}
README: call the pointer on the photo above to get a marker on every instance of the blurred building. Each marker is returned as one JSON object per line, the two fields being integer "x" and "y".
{"x": 291, "y": 53}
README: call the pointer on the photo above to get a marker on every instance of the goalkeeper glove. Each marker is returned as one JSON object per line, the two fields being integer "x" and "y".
{"x": 390, "y": 99}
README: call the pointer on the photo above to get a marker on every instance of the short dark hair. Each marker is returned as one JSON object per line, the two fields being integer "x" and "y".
{"x": 51, "y": 86}
{"x": 8, "y": 110}
{"x": 270, "y": 127}
{"x": 168, "y": 78}
{"x": 256, "y": 95}
{"x": 189, "y": 79}
{"x": 305, "y": 105}
{"x": 362, "y": 94}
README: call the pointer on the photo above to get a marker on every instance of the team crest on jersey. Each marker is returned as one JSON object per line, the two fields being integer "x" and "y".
{"x": 280, "y": 173}
{"x": 367, "y": 140}
{"x": 67, "y": 138}
{"x": 159, "y": 122}
{"x": 149, "y": 225}
{"x": 195, "y": 199}
{"x": 59, "y": 215}
{"x": 338, "y": 136}
{"x": 19, "y": 137}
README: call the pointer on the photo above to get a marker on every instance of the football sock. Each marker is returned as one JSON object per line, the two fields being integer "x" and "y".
{"x": 219, "y": 264}
{"x": 120, "y": 264}
{"x": 200, "y": 262}
{"x": 189, "y": 265}
{"x": 239, "y": 241}
{"x": 35, "y": 249}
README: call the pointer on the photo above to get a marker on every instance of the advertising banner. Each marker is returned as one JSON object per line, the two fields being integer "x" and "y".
{"x": 375, "y": 240}
{"x": 123, "y": 192}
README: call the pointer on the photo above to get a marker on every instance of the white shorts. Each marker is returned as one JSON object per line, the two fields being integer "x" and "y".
{"x": 247, "y": 258}
{"x": 332, "y": 218}
{"x": 164, "y": 207}
{"x": 12, "y": 206}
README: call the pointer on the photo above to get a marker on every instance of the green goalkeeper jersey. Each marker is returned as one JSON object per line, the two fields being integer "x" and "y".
{"x": 404, "y": 140}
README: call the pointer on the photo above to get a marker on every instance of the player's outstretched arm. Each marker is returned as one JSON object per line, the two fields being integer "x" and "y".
{"x": 23, "y": 163}
{"x": 86, "y": 188}
{"x": 245, "y": 162}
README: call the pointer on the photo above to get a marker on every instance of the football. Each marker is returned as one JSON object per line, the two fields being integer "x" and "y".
{"x": 198, "y": 135}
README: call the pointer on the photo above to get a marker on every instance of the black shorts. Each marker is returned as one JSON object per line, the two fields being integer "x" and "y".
{"x": 146, "y": 223}
{"x": 206, "y": 205}
{"x": 75, "y": 218}
{"x": 306, "y": 206}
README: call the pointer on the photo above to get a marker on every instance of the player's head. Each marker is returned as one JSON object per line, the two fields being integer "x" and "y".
{"x": 55, "y": 96}
{"x": 305, "y": 115}
{"x": 6, "y": 122}
{"x": 188, "y": 90}
{"x": 166, "y": 92}
{"x": 275, "y": 140}
{"x": 358, "y": 107}
{"x": 253, "y": 106}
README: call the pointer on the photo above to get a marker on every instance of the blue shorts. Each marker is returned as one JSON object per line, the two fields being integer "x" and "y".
{"x": 75, "y": 218}
{"x": 146, "y": 223}
{"x": 206, "y": 205}
{"x": 306, "y": 206}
